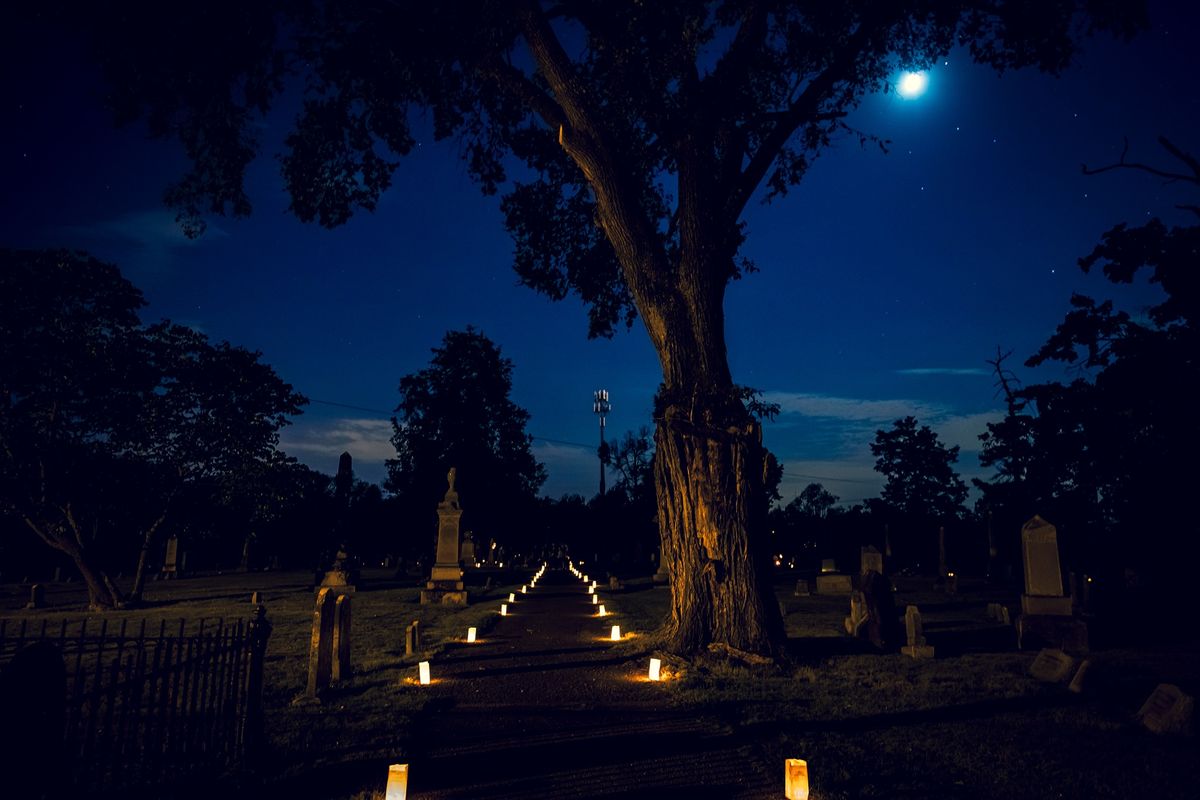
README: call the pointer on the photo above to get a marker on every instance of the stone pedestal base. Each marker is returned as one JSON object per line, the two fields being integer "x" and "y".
{"x": 918, "y": 651}
{"x": 662, "y": 577}
{"x": 445, "y": 597}
{"x": 339, "y": 580}
{"x": 835, "y": 583}
{"x": 1036, "y": 631}
{"x": 1040, "y": 605}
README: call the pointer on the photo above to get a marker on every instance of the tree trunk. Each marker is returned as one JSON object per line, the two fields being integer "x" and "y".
{"x": 139, "y": 575}
{"x": 712, "y": 521}
{"x": 103, "y": 593}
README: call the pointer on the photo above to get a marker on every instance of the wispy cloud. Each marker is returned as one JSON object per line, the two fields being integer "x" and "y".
{"x": 851, "y": 408}
{"x": 944, "y": 371}
{"x": 152, "y": 229}
{"x": 319, "y": 443}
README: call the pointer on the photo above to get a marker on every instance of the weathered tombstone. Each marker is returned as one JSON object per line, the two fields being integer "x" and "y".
{"x": 835, "y": 584}
{"x": 942, "y": 569}
{"x": 58, "y": 574}
{"x": 341, "y": 639}
{"x": 614, "y": 583}
{"x": 856, "y": 623}
{"x": 662, "y": 576}
{"x": 171, "y": 559}
{"x": 1166, "y": 710}
{"x": 915, "y": 633}
{"x": 993, "y": 611}
{"x": 802, "y": 587}
{"x": 1052, "y": 666}
{"x": 828, "y": 565}
{"x": 37, "y": 596}
{"x": 1046, "y": 619}
{"x": 412, "y": 638}
{"x": 256, "y": 598}
{"x": 445, "y": 583}
{"x": 883, "y": 627}
{"x": 1004, "y": 616}
{"x": 871, "y": 560}
{"x": 33, "y": 698}
{"x": 1079, "y": 682}
{"x": 338, "y": 576}
{"x": 320, "y": 648}
{"x": 468, "y": 549}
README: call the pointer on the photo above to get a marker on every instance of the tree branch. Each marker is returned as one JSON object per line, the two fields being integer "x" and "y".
{"x": 1171, "y": 177}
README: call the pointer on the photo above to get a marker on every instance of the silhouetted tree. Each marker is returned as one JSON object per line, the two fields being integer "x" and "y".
{"x": 644, "y": 129}
{"x": 458, "y": 413}
{"x": 92, "y": 401}
{"x": 1103, "y": 455}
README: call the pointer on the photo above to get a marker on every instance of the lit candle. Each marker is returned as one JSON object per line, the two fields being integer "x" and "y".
{"x": 504, "y": 609}
{"x": 423, "y": 672}
{"x": 591, "y": 590}
{"x": 655, "y": 669}
{"x": 470, "y": 634}
{"x": 602, "y": 611}
{"x": 595, "y": 599}
{"x": 512, "y": 598}
{"x": 397, "y": 783}
{"x": 524, "y": 590}
{"x": 616, "y": 633}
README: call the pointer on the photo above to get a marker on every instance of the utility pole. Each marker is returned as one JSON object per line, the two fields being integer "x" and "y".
{"x": 601, "y": 407}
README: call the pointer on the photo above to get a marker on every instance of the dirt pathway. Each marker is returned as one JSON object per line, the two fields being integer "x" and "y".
{"x": 542, "y": 707}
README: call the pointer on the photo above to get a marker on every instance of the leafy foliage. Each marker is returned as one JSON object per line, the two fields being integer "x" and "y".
{"x": 921, "y": 481}
{"x": 458, "y": 413}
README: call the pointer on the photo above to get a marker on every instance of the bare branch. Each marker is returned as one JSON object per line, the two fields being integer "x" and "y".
{"x": 1171, "y": 177}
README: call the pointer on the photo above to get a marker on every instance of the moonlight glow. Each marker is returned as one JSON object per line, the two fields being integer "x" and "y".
{"x": 912, "y": 84}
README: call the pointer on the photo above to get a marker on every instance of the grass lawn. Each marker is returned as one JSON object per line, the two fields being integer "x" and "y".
{"x": 970, "y": 723}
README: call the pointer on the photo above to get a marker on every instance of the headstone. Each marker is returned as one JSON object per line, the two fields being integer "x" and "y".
{"x": 256, "y": 598}
{"x": 171, "y": 559}
{"x": 341, "y": 639}
{"x": 856, "y": 623}
{"x": 828, "y": 565}
{"x": 1052, "y": 666}
{"x": 871, "y": 560}
{"x": 1079, "y": 682}
{"x": 1046, "y": 619}
{"x": 802, "y": 587}
{"x": 58, "y": 574}
{"x": 662, "y": 576}
{"x": 1167, "y": 710}
{"x": 445, "y": 583}
{"x": 1004, "y": 616}
{"x": 614, "y": 583}
{"x": 1043, "y": 574}
{"x": 883, "y": 627}
{"x": 338, "y": 576}
{"x": 834, "y": 584}
{"x": 320, "y": 647}
{"x": 37, "y": 596}
{"x": 468, "y": 549}
{"x": 942, "y": 569}
{"x": 915, "y": 633}
{"x": 412, "y": 638}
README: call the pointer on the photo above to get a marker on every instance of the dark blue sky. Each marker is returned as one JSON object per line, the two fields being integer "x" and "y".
{"x": 885, "y": 282}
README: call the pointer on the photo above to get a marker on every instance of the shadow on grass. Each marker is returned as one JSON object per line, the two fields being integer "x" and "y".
{"x": 459, "y": 646}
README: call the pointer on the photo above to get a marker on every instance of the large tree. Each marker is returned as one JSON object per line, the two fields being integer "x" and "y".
{"x": 102, "y": 418}
{"x": 643, "y": 130}
{"x": 458, "y": 413}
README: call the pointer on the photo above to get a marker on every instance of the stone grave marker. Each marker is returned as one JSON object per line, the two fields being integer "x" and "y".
{"x": 1043, "y": 573}
{"x": 1052, "y": 666}
{"x": 445, "y": 583}
{"x": 1078, "y": 683}
{"x": 802, "y": 587}
{"x": 883, "y": 627}
{"x": 341, "y": 639}
{"x": 856, "y": 623}
{"x": 915, "y": 633}
{"x": 1167, "y": 710}
{"x": 58, "y": 574}
{"x": 412, "y": 638}
{"x": 614, "y": 583}
{"x": 37, "y": 597}
{"x": 256, "y": 598}
{"x": 828, "y": 565}
{"x": 835, "y": 584}
{"x": 871, "y": 560}
{"x": 170, "y": 567}
{"x": 320, "y": 647}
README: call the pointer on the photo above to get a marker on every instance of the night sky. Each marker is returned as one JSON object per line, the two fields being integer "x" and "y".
{"x": 885, "y": 282}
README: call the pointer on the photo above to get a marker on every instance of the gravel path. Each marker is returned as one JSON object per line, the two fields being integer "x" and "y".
{"x": 542, "y": 707}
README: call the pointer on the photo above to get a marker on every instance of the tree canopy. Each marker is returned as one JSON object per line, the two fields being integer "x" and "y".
{"x": 458, "y": 413}
{"x": 92, "y": 403}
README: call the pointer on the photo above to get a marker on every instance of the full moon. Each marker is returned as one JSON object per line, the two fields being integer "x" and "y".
{"x": 912, "y": 84}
